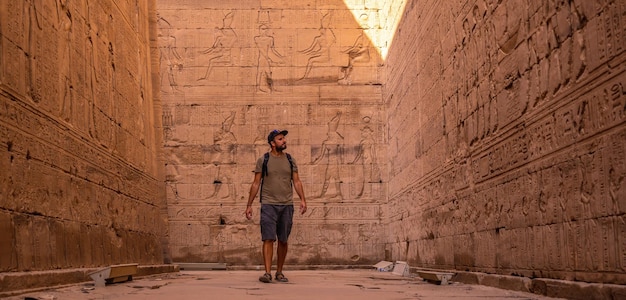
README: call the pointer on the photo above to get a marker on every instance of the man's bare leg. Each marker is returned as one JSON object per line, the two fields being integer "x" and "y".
{"x": 281, "y": 255}
{"x": 268, "y": 252}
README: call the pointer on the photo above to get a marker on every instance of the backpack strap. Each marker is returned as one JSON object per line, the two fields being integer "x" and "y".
{"x": 290, "y": 164}
{"x": 266, "y": 157}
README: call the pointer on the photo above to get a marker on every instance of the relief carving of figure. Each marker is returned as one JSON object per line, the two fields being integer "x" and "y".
{"x": 587, "y": 198}
{"x": 587, "y": 186}
{"x": 225, "y": 145}
{"x": 170, "y": 60}
{"x": 65, "y": 91}
{"x": 331, "y": 153}
{"x": 366, "y": 156}
{"x": 359, "y": 52}
{"x": 319, "y": 49}
{"x": 224, "y": 141}
{"x": 615, "y": 185}
{"x": 33, "y": 27}
{"x": 220, "y": 51}
{"x": 268, "y": 56}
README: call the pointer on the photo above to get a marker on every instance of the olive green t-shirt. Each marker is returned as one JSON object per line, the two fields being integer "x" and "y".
{"x": 276, "y": 187}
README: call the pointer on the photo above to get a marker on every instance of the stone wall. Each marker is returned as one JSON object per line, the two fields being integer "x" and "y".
{"x": 231, "y": 72}
{"x": 479, "y": 135}
{"x": 80, "y": 181}
{"x": 515, "y": 163}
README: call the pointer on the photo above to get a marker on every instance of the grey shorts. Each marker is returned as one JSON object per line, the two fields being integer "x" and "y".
{"x": 276, "y": 221}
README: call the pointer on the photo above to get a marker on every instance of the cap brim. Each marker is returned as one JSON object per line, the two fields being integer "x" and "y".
{"x": 284, "y": 132}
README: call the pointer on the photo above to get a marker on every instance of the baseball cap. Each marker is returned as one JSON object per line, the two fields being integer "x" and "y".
{"x": 274, "y": 133}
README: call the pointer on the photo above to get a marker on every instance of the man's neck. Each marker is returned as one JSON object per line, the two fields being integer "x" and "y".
{"x": 276, "y": 152}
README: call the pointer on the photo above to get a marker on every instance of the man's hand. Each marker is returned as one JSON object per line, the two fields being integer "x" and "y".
{"x": 302, "y": 207}
{"x": 248, "y": 212}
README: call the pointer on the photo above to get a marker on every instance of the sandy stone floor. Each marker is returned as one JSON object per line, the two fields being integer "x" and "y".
{"x": 303, "y": 284}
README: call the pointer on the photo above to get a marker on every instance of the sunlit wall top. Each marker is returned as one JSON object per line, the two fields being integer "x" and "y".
{"x": 379, "y": 19}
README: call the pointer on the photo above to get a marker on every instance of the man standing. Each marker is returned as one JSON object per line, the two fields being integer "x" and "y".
{"x": 276, "y": 174}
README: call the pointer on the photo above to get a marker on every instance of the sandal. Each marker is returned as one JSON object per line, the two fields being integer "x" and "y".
{"x": 280, "y": 277}
{"x": 267, "y": 278}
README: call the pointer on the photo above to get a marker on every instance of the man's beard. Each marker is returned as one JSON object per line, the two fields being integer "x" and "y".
{"x": 281, "y": 148}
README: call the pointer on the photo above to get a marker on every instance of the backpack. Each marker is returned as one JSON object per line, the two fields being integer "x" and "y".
{"x": 266, "y": 157}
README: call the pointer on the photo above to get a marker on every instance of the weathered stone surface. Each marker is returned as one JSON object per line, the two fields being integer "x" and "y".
{"x": 231, "y": 74}
{"x": 8, "y": 251}
{"x": 519, "y": 157}
{"x": 80, "y": 183}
